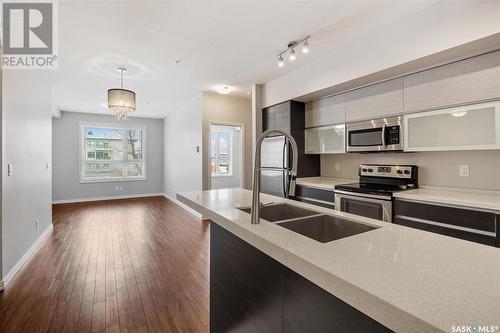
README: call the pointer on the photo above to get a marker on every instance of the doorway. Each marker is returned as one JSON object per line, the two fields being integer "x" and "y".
{"x": 226, "y": 161}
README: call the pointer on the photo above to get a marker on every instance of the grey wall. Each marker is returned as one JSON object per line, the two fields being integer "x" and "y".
{"x": 65, "y": 144}
{"x": 26, "y": 195}
{"x": 435, "y": 168}
{"x": 182, "y": 133}
{"x": 227, "y": 109}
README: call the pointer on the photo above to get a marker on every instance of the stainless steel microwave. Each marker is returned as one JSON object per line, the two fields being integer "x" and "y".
{"x": 384, "y": 134}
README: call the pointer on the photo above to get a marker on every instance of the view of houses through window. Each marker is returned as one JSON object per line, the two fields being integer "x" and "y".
{"x": 220, "y": 153}
{"x": 112, "y": 153}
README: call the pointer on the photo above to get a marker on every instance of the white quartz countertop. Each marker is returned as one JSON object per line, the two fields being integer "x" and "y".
{"x": 408, "y": 280}
{"x": 326, "y": 183}
{"x": 489, "y": 200}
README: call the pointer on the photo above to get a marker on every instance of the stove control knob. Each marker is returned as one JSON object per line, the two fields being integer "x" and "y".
{"x": 399, "y": 172}
{"x": 370, "y": 170}
{"x": 407, "y": 172}
{"x": 364, "y": 170}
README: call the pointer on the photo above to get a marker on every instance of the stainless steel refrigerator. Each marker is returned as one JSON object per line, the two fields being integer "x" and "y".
{"x": 275, "y": 166}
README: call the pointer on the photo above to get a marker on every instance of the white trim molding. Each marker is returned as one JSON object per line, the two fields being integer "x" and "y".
{"x": 184, "y": 206}
{"x": 32, "y": 250}
{"x": 109, "y": 197}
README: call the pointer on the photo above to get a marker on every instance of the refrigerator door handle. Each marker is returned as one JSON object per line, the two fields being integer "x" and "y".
{"x": 286, "y": 169}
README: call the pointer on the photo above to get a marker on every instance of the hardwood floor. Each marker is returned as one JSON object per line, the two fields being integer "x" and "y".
{"x": 136, "y": 265}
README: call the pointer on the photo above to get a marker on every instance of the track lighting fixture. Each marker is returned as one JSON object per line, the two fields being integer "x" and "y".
{"x": 291, "y": 49}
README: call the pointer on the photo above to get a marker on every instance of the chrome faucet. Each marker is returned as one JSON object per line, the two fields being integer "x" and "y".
{"x": 255, "y": 213}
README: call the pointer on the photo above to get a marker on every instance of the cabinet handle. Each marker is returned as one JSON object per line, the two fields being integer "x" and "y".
{"x": 448, "y": 226}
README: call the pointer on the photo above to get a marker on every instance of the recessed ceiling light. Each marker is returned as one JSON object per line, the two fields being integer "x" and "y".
{"x": 459, "y": 113}
{"x": 249, "y": 92}
{"x": 224, "y": 90}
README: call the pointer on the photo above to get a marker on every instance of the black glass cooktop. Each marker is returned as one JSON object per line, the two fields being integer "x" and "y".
{"x": 380, "y": 189}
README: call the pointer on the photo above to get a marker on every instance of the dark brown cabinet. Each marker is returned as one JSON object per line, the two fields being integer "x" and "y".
{"x": 472, "y": 225}
{"x": 290, "y": 117}
{"x": 498, "y": 230}
{"x": 308, "y": 308}
{"x": 251, "y": 292}
{"x": 315, "y": 196}
{"x": 245, "y": 286}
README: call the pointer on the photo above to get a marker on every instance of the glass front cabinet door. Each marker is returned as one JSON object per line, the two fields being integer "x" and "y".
{"x": 325, "y": 140}
{"x": 471, "y": 127}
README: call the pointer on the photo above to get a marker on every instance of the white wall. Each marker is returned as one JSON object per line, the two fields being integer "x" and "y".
{"x": 182, "y": 162}
{"x": 65, "y": 144}
{"x": 358, "y": 52}
{"x": 435, "y": 168}
{"x": 27, "y": 146}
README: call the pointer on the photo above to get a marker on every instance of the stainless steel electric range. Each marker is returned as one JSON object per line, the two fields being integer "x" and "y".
{"x": 372, "y": 196}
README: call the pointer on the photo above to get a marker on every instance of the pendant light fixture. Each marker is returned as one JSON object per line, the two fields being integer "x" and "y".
{"x": 121, "y": 101}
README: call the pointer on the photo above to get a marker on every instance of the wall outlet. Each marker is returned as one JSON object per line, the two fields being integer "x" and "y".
{"x": 337, "y": 166}
{"x": 118, "y": 188}
{"x": 37, "y": 222}
{"x": 464, "y": 170}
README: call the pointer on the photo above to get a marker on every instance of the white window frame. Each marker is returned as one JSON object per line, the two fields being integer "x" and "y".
{"x": 124, "y": 160}
{"x": 230, "y": 150}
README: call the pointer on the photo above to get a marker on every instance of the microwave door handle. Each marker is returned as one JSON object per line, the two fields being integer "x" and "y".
{"x": 383, "y": 134}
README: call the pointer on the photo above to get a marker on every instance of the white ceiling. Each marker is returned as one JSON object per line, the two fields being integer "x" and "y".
{"x": 231, "y": 43}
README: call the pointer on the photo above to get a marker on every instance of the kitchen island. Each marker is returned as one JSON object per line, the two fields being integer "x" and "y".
{"x": 403, "y": 279}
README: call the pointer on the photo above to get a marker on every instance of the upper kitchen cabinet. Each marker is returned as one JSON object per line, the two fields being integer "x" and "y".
{"x": 325, "y": 140}
{"x": 278, "y": 116}
{"x": 469, "y": 127}
{"x": 376, "y": 101}
{"x": 290, "y": 117}
{"x": 325, "y": 111}
{"x": 463, "y": 82}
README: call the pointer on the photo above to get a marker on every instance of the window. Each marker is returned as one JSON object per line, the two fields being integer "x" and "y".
{"x": 112, "y": 153}
{"x": 221, "y": 162}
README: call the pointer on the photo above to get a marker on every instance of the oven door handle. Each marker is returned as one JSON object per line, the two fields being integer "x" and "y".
{"x": 383, "y": 135}
{"x": 363, "y": 195}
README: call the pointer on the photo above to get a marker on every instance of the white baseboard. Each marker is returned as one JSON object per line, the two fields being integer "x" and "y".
{"x": 189, "y": 209}
{"x": 36, "y": 245}
{"x": 111, "y": 197}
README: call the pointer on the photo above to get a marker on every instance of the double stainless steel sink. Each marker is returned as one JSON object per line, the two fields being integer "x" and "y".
{"x": 320, "y": 227}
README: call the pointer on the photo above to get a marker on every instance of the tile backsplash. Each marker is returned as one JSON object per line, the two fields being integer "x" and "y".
{"x": 435, "y": 168}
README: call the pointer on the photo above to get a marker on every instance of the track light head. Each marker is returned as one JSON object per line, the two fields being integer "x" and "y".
{"x": 281, "y": 62}
{"x": 292, "y": 55}
{"x": 305, "y": 47}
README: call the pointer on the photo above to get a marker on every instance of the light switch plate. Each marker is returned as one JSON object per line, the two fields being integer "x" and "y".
{"x": 464, "y": 170}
